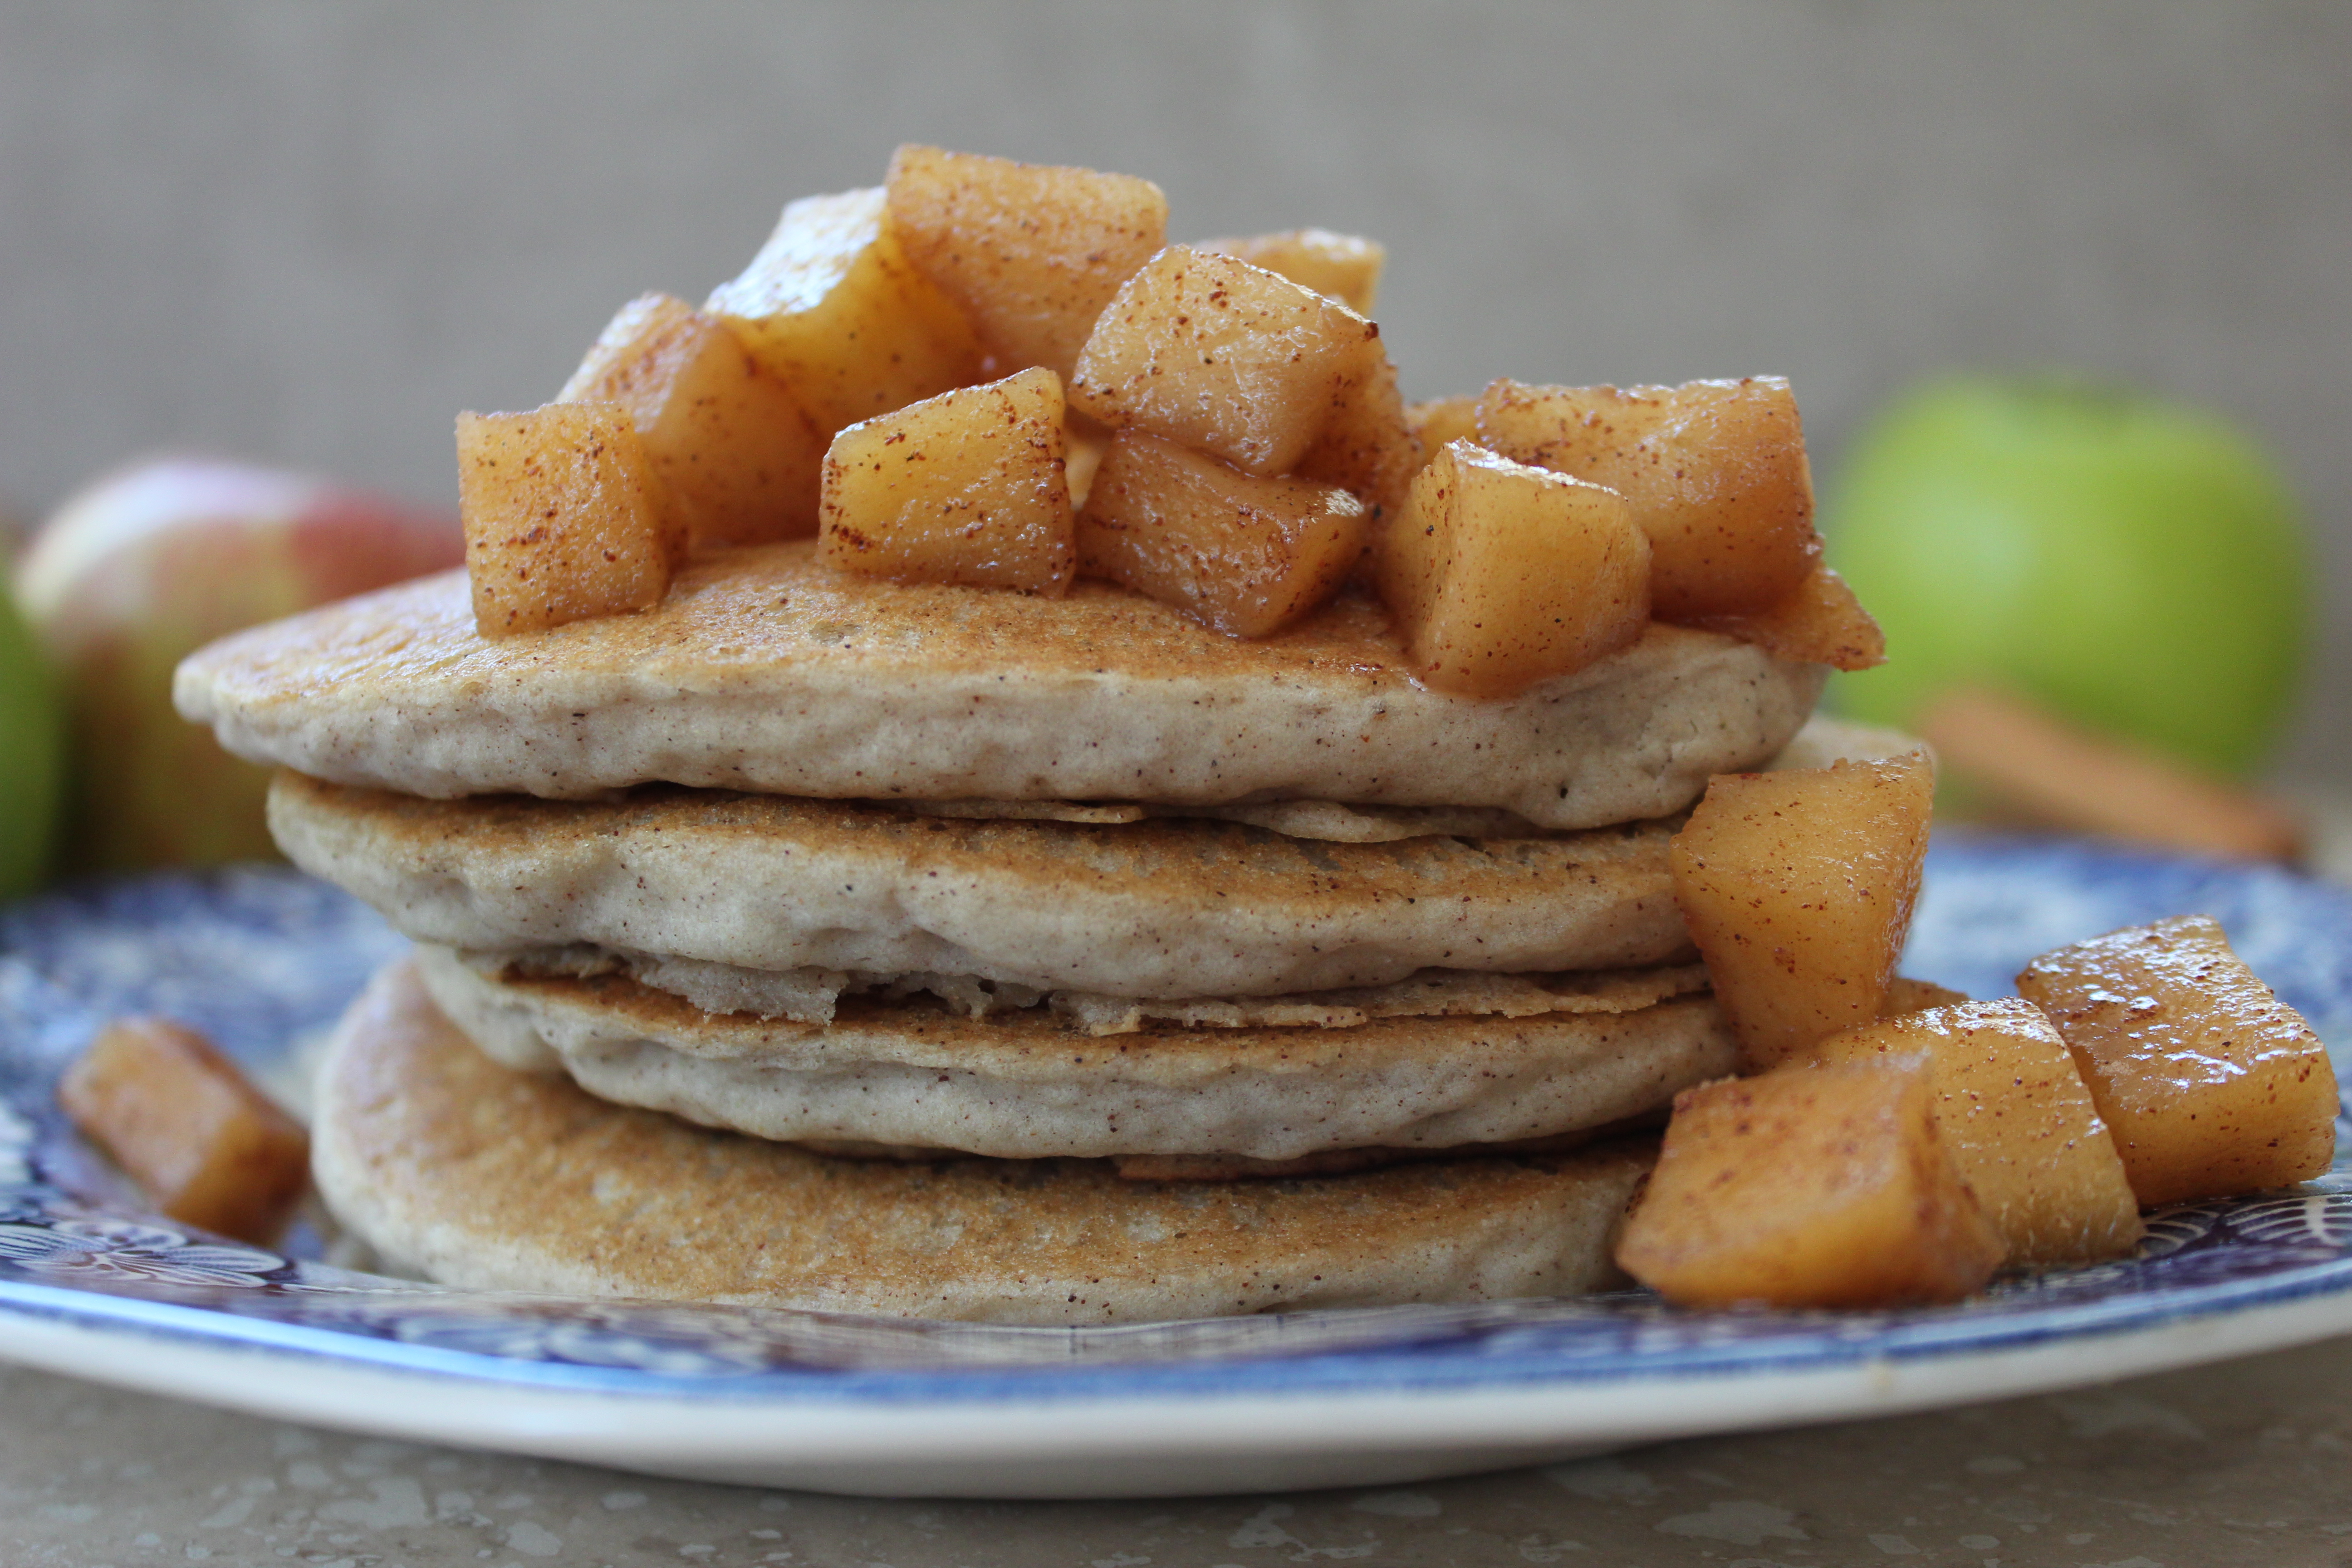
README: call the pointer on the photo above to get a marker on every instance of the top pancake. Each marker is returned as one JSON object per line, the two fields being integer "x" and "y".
{"x": 763, "y": 671}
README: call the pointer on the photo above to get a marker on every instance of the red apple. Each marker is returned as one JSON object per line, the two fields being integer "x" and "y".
{"x": 145, "y": 567}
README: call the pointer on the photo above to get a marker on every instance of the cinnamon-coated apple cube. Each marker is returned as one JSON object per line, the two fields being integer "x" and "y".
{"x": 968, "y": 487}
{"x": 736, "y": 454}
{"x": 2019, "y": 1122}
{"x": 1343, "y": 265}
{"x": 1818, "y": 622}
{"x": 1827, "y": 1187}
{"x": 1081, "y": 460}
{"x": 1031, "y": 252}
{"x": 565, "y": 517}
{"x": 205, "y": 1146}
{"x": 1501, "y": 575}
{"x": 1367, "y": 449}
{"x": 834, "y": 309}
{"x": 1245, "y": 554}
{"x": 1439, "y": 420}
{"x": 1798, "y": 887}
{"x": 1716, "y": 472}
{"x": 1227, "y": 358}
{"x": 2210, "y": 1085}
{"x": 1907, "y": 995}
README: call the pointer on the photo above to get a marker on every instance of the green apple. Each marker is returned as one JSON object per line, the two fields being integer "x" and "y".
{"x": 2137, "y": 567}
{"x": 145, "y": 567}
{"x": 32, "y": 757}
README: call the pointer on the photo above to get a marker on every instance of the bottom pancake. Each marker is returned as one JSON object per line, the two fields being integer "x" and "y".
{"x": 477, "y": 1174}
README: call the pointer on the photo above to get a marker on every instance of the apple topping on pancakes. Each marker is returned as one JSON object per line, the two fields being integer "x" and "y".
{"x": 1147, "y": 803}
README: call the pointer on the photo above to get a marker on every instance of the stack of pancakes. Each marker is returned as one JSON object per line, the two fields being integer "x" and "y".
{"x": 819, "y": 940}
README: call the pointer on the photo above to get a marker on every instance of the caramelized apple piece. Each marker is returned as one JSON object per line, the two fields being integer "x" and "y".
{"x": 967, "y": 487}
{"x": 1247, "y": 555}
{"x": 738, "y": 457}
{"x": 1716, "y": 472}
{"x": 1439, "y": 420}
{"x": 1366, "y": 448}
{"x": 564, "y": 518}
{"x": 206, "y": 1147}
{"x": 2210, "y": 1085}
{"x": 1818, "y": 622}
{"x": 1031, "y": 252}
{"x": 2020, "y": 1125}
{"x": 1082, "y": 459}
{"x": 1501, "y": 575}
{"x": 1906, "y": 996}
{"x": 833, "y": 308}
{"x": 1227, "y": 358}
{"x": 1822, "y": 1188}
{"x": 1798, "y": 887}
{"x": 1343, "y": 265}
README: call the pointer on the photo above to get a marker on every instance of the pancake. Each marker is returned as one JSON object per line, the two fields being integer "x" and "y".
{"x": 1174, "y": 907}
{"x": 1024, "y": 1086}
{"x": 762, "y": 672}
{"x": 476, "y": 1175}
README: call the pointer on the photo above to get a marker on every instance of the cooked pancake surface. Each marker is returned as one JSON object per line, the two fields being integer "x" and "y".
{"x": 480, "y": 1175}
{"x": 1024, "y": 1086}
{"x": 1178, "y": 907}
{"x": 763, "y": 671}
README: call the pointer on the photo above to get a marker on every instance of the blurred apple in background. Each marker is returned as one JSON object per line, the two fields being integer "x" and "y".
{"x": 32, "y": 758}
{"x": 147, "y": 565}
{"x": 2135, "y": 568}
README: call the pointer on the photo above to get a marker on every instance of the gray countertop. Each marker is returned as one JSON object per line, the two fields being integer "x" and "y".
{"x": 2247, "y": 1461}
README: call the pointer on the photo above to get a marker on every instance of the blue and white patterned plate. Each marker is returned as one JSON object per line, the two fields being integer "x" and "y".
{"x": 260, "y": 959}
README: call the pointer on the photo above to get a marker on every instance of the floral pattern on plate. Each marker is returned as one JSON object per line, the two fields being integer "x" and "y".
{"x": 263, "y": 959}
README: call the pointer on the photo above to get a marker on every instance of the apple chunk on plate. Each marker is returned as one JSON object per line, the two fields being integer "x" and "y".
{"x": 968, "y": 487}
{"x": 207, "y": 1147}
{"x": 1501, "y": 575}
{"x": 1247, "y": 555}
{"x": 2211, "y": 1084}
{"x": 1798, "y": 887}
{"x": 1826, "y": 1187}
{"x": 1716, "y": 472}
{"x": 565, "y": 517}
{"x": 736, "y": 454}
{"x": 1227, "y": 358}
{"x": 1032, "y": 253}
{"x": 834, "y": 309}
{"x": 2019, "y": 1122}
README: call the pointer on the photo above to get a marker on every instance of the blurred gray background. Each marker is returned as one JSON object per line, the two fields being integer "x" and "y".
{"x": 310, "y": 234}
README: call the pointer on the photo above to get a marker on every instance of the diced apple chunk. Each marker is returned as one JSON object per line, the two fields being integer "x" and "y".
{"x": 205, "y": 1145}
{"x": 1439, "y": 420}
{"x": 833, "y": 308}
{"x": 968, "y": 487}
{"x": 1716, "y": 472}
{"x": 1247, "y": 555}
{"x": 738, "y": 456}
{"x": 565, "y": 517}
{"x": 1031, "y": 252}
{"x": 1227, "y": 358}
{"x": 1082, "y": 459}
{"x": 1819, "y": 622}
{"x": 1342, "y": 266}
{"x": 2019, "y": 1122}
{"x": 1501, "y": 575}
{"x": 1367, "y": 449}
{"x": 1827, "y": 1187}
{"x": 2210, "y": 1085}
{"x": 1798, "y": 887}
{"x": 1905, "y": 995}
